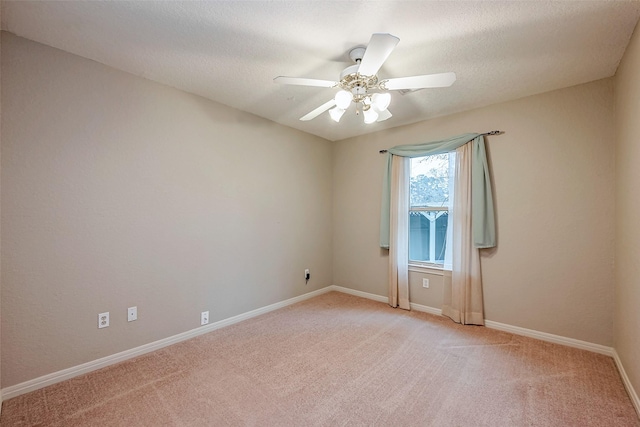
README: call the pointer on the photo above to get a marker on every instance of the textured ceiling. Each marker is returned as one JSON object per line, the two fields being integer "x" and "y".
{"x": 230, "y": 51}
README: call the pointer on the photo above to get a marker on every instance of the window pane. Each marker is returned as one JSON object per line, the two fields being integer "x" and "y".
{"x": 430, "y": 180}
{"x": 418, "y": 237}
{"x": 441, "y": 236}
{"x": 422, "y": 246}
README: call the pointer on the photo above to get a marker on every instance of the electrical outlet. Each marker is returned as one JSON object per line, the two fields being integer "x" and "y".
{"x": 306, "y": 274}
{"x": 425, "y": 283}
{"x": 103, "y": 320}
{"x": 204, "y": 318}
{"x": 132, "y": 314}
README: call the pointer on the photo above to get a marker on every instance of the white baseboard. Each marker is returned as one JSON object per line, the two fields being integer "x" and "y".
{"x": 544, "y": 336}
{"x": 379, "y": 298}
{"x": 65, "y": 374}
{"x": 366, "y": 295}
{"x": 425, "y": 309}
{"x": 627, "y": 383}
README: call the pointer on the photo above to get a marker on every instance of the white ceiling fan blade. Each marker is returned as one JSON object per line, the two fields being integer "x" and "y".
{"x": 420, "y": 82}
{"x": 304, "y": 82}
{"x": 380, "y": 47}
{"x": 384, "y": 115}
{"x": 321, "y": 109}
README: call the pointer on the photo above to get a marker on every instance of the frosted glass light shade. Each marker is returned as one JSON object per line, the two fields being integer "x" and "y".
{"x": 370, "y": 115}
{"x": 343, "y": 99}
{"x": 384, "y": 115}
{"x": 336, "y": 113}
{"x": 381, "y": 101}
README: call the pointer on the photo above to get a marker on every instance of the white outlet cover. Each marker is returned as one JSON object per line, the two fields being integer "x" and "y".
{"x": 425, "y": 283}
{"x": 204, "y": 318}
{"x": 132, "y": 314}
{"x": 103, "y": 320}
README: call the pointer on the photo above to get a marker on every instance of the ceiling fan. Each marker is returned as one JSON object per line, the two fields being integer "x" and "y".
{"x": 359, "y": 83}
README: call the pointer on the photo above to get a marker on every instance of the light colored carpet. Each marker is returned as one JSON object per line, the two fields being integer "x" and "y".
{"x": 341, "y": 360}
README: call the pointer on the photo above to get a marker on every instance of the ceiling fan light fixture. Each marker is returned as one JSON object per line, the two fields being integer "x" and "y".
{"x": 370, "y": 115}
{"x": 381, "y": 101}
{"x": 336, "y": 113}
{"x": 343, "y": 99}
{"x": 359, "y": 83}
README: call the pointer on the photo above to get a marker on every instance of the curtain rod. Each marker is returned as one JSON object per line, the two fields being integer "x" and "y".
{"x": 493, "y": 132}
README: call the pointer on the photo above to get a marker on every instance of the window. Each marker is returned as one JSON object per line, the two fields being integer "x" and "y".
{"x": 431, "y": 192}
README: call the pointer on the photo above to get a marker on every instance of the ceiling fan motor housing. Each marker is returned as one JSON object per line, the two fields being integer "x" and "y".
{"x": 357, "y": 53}
{"x": 352, "y": 70}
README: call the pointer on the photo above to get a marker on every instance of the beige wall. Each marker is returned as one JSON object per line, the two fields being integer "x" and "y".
{"x": 117, "y": 191}
{"x": 627, "y": 126}
{"x": 553, "y": 175}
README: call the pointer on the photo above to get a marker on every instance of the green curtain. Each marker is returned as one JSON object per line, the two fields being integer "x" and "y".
{"x": 484, "y": 227}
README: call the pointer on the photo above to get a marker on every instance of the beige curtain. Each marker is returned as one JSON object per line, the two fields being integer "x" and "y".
{"x": 399, "y": 237}
{"x": 463, "y": 299}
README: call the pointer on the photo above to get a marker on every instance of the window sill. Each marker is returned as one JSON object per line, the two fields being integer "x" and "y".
{"x": 430, "y": 269}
